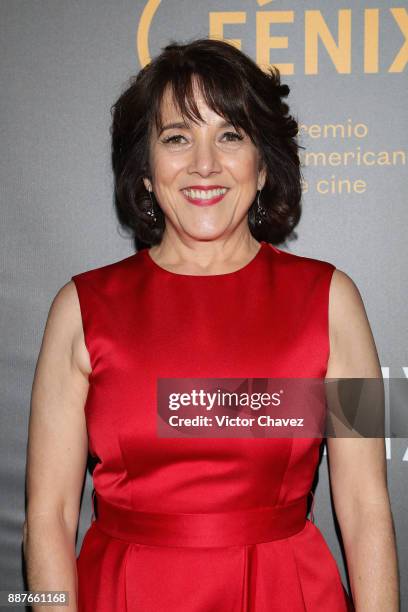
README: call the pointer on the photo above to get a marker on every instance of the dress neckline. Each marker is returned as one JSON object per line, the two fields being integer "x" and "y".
{"x": 244, "y": 269}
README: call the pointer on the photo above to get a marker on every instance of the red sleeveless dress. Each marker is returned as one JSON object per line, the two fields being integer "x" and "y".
{"x": 201, "y": 525}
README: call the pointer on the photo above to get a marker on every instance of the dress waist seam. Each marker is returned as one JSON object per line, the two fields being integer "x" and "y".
{"x": 213, "y": 529}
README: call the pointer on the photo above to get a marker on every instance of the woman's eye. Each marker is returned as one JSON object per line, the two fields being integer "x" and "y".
{"x": 173, "y": 139}
{"x": 235, "y": 135}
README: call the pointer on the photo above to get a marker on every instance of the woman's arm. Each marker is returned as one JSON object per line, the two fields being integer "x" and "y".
{"x": 57, "y": 451}
{"x": 357, "y": 466}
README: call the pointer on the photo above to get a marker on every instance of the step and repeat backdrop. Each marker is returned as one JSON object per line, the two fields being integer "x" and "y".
{"x": 64, "y": 62}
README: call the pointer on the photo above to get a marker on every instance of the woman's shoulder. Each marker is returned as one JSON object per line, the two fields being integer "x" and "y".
{"x": 344, "y": 292}
{"x": 107, "y": 270}
{"x": 63, "y": 327}
{"x": 102, "y": 284}
{"x": 345, "y": 298}
{"x": 291, "y": 262}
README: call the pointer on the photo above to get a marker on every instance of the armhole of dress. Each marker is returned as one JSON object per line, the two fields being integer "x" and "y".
{"x": 78, "y": 285}
{"x": 332, "y": 269}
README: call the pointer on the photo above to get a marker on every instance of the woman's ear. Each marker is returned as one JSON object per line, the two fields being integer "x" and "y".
{"x": 262, "y": 176}
{"x": 147, "y": 184}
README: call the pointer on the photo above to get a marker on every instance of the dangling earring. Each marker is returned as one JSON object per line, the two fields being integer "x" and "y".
{"x": 151, "y": 211}
{"x": 260, "y": 213}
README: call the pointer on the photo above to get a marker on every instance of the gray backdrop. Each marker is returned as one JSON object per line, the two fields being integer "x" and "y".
{"x": 64, "y": 62}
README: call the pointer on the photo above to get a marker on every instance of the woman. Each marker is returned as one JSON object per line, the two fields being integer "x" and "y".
{"x": 207, "y": 175}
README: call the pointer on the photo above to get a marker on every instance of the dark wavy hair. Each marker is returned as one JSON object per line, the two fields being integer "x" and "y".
{"x": 234, "y": 87}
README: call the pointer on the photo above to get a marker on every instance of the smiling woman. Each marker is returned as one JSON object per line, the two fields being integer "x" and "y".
{"x": 182, "y": 153}
{"x": 197, "y": 108}
{"x": 207, "y": 177}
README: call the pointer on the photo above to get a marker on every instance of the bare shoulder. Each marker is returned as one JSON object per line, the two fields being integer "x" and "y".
{"x": 344, "y": 295}
{"x": 352, "y": 347}
{"x": 64, "y": 326}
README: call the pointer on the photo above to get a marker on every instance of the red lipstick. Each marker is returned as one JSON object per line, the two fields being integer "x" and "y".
{"x": 204, "y": 202}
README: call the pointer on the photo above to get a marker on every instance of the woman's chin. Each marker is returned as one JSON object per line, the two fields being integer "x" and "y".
{"x": 205, "y": 233}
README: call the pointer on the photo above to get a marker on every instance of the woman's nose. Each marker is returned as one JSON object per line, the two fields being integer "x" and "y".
{"x": 205, "y": 158}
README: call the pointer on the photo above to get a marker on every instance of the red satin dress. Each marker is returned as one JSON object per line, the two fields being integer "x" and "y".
{"x": 194, "y": 524}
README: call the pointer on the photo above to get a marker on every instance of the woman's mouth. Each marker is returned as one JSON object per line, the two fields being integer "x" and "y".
{"x": 204, "y": 197}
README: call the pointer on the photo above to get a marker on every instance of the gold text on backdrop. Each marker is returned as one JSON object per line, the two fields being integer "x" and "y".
{"x": 317, "y": 34}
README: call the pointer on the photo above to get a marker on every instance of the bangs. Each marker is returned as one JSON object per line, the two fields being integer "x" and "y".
{"x": 223, "y": 93}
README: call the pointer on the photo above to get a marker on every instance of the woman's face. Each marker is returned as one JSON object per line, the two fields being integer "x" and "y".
{"x": 208, "y": 156}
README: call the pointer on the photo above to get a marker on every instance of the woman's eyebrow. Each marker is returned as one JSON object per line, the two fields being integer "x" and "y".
{"x": 182, "y": 125}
